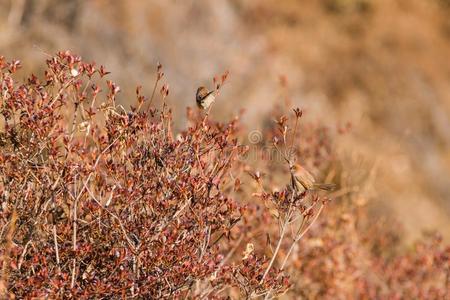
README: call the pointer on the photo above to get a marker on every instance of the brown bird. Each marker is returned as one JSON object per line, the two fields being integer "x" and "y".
{"x": 204, "y": 97}
{"x": 302, "y": 180}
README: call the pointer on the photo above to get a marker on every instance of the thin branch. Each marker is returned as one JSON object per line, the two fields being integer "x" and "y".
{"x": 74, "y": 239}
{"x": 280, "y": 240}
{"x": 300, "y": 235}
{"x": 55, "y": 242}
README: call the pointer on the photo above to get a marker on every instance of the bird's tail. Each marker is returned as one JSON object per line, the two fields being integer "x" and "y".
{"x": 325, "y": 186}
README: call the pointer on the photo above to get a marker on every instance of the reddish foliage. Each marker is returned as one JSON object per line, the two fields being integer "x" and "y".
{"x": 98, "y": 201}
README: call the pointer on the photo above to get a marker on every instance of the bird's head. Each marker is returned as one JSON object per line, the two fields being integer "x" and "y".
{"x": 202, "y": 92}
{"x": 295, "y": 167}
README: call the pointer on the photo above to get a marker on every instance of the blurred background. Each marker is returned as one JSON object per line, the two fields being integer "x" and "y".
{"x": 383, "y": 66}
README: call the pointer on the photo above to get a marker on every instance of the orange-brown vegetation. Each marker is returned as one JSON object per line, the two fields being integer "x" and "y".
{"x": 101, "y": 201}
{"x": 122, "y": 192}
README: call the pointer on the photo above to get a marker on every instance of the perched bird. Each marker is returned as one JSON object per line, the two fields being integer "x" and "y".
{"x": 204, "y": 97}
{"x": 302, "y": 180}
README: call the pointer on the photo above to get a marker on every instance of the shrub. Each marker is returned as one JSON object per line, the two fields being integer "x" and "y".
{"x": 102, "y": 202}
{"x": 98, "y": 201}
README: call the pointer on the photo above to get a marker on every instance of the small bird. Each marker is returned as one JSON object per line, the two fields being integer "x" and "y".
{"x": 302, "y": 180}
{"x": 204, "y": 97}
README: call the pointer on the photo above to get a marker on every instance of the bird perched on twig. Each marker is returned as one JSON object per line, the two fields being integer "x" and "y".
{"x": 302, "y": 180}
{"x": 204, "y": 97}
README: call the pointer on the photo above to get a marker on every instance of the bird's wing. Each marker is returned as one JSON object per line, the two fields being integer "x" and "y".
{"x": 307, "y": 175}
{"x": 209, "y": 99}
{"x": 298, "y": 184}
